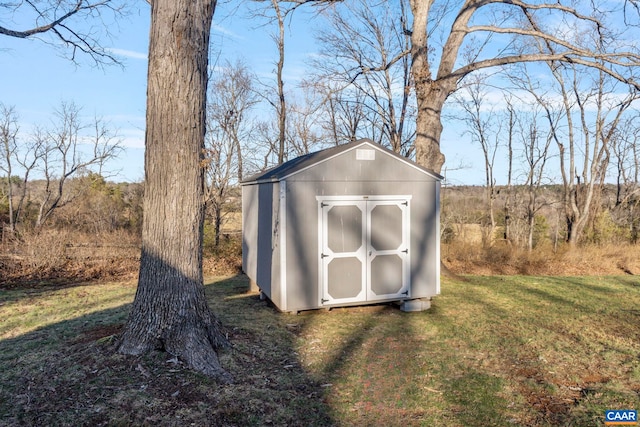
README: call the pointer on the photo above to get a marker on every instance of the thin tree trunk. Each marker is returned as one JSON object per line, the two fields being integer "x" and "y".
{"x": 507, "y": 204}
{"x": 170, "y": 310}
{"x": 12, "y": 222}
{"x": 531, "y": 215}
{"x": 281, "y": 108}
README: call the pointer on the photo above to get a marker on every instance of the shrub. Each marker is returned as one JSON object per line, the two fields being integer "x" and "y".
{"x": 605, "y": 230}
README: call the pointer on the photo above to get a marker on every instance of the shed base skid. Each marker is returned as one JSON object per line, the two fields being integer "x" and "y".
{"x": 416, "y": 305}
{"x": 407, "y": 306}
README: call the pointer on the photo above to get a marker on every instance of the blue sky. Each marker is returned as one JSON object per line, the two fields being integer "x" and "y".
{"x": 35, "y": 78}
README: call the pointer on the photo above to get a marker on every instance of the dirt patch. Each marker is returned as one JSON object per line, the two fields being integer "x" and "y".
{"x": 98, "y": 333}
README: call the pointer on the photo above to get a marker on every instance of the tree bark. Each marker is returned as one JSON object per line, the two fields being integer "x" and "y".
{"x": 430, "y": 94}
{"x": 170, "y": 311}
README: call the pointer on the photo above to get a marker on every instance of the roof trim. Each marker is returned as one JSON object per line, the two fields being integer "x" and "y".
{"x": 304, "y": 162}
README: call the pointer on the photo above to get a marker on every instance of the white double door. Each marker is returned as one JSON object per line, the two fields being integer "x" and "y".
{"x": 364, "y": 249}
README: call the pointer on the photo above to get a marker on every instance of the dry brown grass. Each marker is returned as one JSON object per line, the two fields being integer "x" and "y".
{"x": 503, "y": 259}
{"x": 63, "y": 257}
{"x": 58, "y": 256}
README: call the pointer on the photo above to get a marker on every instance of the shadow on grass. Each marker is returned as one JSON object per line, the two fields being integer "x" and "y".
{"x": 271, "y": 386}
{"x": 67, "y": 373}
{"x": 632, "y": 282}
{"x": 58, "y": 373}
{"x": 492, "y": 351}
{"x": 555, "y": 340}
{"x": 387, "y": 367}
{"x": 16, "y": 293}
{"x": 476, "y": 358}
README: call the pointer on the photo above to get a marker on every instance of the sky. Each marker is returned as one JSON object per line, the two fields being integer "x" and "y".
{"x": 35, "y": 78}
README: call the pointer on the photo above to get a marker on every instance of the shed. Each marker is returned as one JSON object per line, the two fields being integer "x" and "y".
{"x": 350, "y": 225}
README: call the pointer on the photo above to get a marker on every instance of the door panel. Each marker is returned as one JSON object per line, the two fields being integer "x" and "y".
{"x": 386, "y": 275}
{"x": 344, "y": 229}
{"x": 386, "y": 227}
{"x": 343, "y": 251}
{"x": 344, "y": 278}
{"x": 364, "y": 250}
{"x": 388, "y": 251}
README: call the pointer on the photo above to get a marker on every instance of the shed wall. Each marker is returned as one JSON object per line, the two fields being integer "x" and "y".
{"x": 260, "y": 236}
{"x": 347, "y": 176}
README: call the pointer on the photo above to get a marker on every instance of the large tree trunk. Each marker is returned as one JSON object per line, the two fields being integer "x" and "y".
{"x": 431, "y": 94}
{"x": 170, "y": 311}
{"x": 430, "y": 98}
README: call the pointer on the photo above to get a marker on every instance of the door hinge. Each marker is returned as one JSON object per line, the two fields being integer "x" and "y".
{"x": 405, "y": 293}
{"x": 323, "y": 204}
{"x": 406, "y": 251}
{"x": 323, "y": 255}
{"x": 405, "y": 203}
{"x": 322, "y": 301}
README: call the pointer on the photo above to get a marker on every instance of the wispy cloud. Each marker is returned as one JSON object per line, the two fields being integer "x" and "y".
{"x": 222, "y": 30}
{"x": 127, "y": 53}
{"x": 131, "y": 137}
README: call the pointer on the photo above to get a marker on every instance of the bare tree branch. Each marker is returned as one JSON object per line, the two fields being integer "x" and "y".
{"x": 51, "y": 25}
{"x": 63, "y": 19}
{"x": 579, "y": 23}
{"x": 542, "y": 57}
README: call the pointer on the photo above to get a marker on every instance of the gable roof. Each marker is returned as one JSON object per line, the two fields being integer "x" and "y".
{"x": 303, "y": 162}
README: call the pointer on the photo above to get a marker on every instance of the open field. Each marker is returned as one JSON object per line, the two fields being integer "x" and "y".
{"x": 501, "y": 351}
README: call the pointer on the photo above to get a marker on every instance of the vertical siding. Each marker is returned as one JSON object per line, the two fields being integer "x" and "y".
{"x": 271, "y": 252}
{"x": 425, "y": 240}
{"x": 250, "y": 231}
{"x": 257, "y": 225}
{"x": 302, "y": 246}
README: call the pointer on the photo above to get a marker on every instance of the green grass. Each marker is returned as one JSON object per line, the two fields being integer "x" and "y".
{"x": 501, "y": 351}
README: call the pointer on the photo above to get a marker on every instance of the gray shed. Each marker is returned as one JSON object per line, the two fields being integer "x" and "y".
{"x": 350, "y": 225}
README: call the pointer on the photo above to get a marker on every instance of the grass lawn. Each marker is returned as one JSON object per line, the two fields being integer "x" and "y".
{"x": 501, "y": 351}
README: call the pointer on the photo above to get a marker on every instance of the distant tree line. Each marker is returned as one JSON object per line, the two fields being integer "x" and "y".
{"x": 47, "y": 169}
{"x": 579, "y": 137}
{"x": 547, "y": 118}
{"x": 465, "y": 218}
